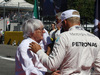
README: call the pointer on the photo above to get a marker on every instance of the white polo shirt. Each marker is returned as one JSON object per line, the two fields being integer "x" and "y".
{"x": 75, "y": 52}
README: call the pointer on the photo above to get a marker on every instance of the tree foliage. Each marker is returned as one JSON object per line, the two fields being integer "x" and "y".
{"x": 85, "y": 7}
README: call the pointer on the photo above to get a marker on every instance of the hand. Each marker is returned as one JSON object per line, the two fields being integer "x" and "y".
{"x": 56, "y": 73}
{"x": 53, "y": 73}
{"x": 34, "y": 47}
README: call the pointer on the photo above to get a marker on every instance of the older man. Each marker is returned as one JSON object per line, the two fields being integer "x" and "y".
{"x": 75, "y": 51}
{"x": 27, "y": 62}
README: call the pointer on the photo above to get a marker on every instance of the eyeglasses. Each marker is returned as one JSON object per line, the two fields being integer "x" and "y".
{"x": 41, "y": 29}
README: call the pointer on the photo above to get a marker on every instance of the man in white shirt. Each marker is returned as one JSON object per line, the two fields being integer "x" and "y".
{"x": 46, "y": 43}
{"x": 75, "y": 51}
{"x": 52, "y": 34}
{"x": 27, "y": 62}
{"x": 1, "y": 36}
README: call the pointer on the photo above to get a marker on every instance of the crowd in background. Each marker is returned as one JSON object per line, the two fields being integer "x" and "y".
{"x": 1, "y": 36}
{"x": 16, "y": 16}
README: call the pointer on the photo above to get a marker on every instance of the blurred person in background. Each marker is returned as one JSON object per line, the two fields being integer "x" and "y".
{"x": 46, "y": 43}
{"x": 99, "y": 30}
{"x": 1, "y": 36}
{"x": 58, "y": 25}
{"x": 53, "y": 26}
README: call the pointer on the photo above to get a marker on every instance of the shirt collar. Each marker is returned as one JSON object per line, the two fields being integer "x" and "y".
{"x": 76, "y": 27}
{"x": 32, "y": 40}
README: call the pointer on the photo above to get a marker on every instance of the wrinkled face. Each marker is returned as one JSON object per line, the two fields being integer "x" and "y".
{"x": 38, "y": 34}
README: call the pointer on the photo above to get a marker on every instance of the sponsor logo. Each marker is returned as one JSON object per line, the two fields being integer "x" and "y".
{"x": 84, "y": 44}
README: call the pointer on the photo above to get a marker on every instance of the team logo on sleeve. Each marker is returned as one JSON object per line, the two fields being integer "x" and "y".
{"x": 57, "y": 39}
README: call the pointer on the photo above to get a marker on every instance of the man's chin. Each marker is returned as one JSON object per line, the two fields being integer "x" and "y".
{"x": 41, "y": 38}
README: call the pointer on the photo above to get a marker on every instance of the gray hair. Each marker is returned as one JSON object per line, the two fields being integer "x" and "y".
{"x": 74, "y": 19}
{"x": 29, "y": 26}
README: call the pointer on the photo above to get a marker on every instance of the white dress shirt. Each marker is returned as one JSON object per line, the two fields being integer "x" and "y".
{"x": 27, "y": 62}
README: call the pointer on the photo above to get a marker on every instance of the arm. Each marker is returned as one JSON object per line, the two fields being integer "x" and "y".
{"x": 96, "y": 64}
{"x": 53, "y": 73}
{"x": 49, "y": 47}
{"x": 57, "y": 55}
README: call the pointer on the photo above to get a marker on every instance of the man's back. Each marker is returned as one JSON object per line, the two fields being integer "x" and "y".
{"x": 75, "y": 51}
{"x": 81, "y": 53}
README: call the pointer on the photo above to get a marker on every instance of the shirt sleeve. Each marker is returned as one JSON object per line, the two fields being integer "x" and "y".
{"x": 54, "y": 60}
{"x": 27, "y": 61}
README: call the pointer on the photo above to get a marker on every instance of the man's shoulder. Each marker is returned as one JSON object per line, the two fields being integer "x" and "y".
{"x": 24, "y": 42}
{"x": 84, "y": 32}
